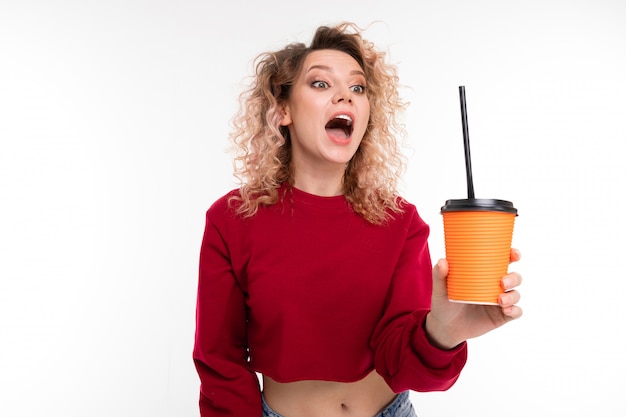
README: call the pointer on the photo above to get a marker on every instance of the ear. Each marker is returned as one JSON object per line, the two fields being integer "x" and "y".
{"x": 286, "y": 115}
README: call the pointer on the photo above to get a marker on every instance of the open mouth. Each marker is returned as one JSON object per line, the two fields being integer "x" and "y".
{"x": 340, "y": 126}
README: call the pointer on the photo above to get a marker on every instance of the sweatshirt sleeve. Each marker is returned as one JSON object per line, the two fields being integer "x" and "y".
{"x": 227, "y": 386}
{"x": 403, "y": 356}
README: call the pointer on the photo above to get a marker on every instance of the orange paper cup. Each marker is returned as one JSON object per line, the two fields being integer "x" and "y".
{"x": 478, "y": 235}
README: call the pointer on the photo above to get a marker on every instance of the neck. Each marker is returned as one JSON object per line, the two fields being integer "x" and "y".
{"x": 319, "y": 184}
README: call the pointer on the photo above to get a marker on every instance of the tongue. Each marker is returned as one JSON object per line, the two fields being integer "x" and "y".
{"x": 337, "y": 132}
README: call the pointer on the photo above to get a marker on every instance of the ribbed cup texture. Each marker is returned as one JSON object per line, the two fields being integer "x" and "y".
{"x": 478, "y": 250}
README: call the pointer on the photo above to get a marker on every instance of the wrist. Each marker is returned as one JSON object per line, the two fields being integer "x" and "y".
{"x": 438, "y": 335}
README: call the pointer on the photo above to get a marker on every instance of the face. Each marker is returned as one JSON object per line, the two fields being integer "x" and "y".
{"x": 327, "y": 112}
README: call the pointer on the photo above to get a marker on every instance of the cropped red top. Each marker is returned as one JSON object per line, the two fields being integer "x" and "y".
{"x": 308, "y": 290}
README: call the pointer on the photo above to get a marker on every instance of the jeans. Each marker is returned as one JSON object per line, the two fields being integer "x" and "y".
{"x": 400, "y": 407}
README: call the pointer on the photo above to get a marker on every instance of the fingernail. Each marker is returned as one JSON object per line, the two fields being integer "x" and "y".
{"x": 507, "y": 282}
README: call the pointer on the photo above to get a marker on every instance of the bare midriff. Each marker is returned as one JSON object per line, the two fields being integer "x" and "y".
{"x": 363, "y": 398}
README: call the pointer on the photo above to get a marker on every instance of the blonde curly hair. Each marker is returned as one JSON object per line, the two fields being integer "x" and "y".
{"x": 263, "y": 147}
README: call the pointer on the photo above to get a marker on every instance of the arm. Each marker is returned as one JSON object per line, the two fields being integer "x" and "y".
{"x": 403, "y": 353}
{"x": 228, "y": 386}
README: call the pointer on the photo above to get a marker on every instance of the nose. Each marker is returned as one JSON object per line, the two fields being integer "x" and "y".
{"x": 343, "y": 94}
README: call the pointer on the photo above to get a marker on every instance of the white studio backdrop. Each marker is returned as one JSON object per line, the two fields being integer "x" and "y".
{"x": 113, "y": 129}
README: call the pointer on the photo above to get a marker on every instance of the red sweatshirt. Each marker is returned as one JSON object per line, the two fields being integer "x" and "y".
{"x": 308, "y": 290}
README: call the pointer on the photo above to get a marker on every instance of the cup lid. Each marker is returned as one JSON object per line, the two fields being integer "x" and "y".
{"x": 479, "y": 204}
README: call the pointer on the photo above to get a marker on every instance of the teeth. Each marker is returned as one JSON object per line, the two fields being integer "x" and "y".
{"x": 345, "y": 117}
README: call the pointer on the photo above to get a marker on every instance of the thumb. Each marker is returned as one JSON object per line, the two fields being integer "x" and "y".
{"x": 440, "y": 273}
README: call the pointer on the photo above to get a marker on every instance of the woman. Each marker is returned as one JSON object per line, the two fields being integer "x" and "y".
{"x": 315, "y": 274}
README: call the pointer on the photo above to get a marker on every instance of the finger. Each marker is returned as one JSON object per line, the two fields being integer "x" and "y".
{"x": 511, "y": 280}
{"x": 512, "y": 312}
{"x": 509, "y": 298}
{"x": 516, "y": 255}
{"x": 440, "y": 273}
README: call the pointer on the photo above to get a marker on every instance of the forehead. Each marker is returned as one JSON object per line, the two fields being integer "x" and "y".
{"x": 330, "y": 59}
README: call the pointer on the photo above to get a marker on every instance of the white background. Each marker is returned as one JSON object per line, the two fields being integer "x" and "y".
{"x": 113, "y": 126}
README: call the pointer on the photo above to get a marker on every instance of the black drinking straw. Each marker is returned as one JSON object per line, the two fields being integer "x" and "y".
{"x": 468, "y": 159}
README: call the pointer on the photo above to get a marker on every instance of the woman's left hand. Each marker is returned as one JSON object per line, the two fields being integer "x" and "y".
{"x": 449, "y": 324}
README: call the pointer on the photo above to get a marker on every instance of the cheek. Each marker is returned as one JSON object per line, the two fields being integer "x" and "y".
{"x": 366, "y": 112}
{"x": 366, "y": 121}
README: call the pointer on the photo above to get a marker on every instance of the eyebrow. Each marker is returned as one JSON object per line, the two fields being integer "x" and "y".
{"x": 329, "y": 69}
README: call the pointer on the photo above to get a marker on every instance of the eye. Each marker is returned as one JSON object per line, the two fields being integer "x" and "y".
{"x": 358, "y": 89}
{"x": 319, "y": 84}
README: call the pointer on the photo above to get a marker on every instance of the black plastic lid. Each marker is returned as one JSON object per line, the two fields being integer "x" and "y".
{"x": 479, "y": 204}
